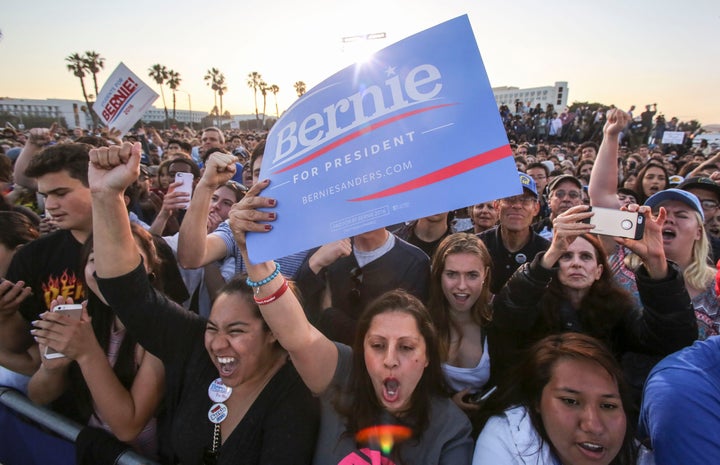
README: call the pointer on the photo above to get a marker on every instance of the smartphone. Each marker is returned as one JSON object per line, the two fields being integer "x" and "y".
{"x": 187, "y": 181}
{"x": 612, "y": 222}
{"x": 73, "y": 311}
{"x": 479, "y": 398}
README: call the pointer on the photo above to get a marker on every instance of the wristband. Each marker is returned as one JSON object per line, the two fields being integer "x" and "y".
{"x": 274, "y": 296}
{"x": 262, "y": 282}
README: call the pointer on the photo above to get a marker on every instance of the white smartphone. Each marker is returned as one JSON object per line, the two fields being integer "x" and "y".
{"x": 187, "y": 181}
{"x": 612, "y": 222}
{"x": 73, "y": 311}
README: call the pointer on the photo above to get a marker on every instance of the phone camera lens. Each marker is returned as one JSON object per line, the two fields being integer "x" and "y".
{"x": 626, "y": 224}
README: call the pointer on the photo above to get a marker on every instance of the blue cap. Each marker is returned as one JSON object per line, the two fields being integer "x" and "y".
{"x": 528, "y": 183}
{"x": 676, "y": 194}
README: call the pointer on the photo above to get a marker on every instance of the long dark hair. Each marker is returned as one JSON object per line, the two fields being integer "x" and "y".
{"x": 601, "y": 310}
{"x": 526, "y": 381}
{"x": 638, "y": 187}
{"x": 103, "y": 318}
{"x": 438, "y": 306}
{"x": 360, "y": 404}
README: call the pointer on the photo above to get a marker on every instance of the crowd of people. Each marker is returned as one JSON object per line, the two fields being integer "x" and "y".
{"x": 504, "y": 333}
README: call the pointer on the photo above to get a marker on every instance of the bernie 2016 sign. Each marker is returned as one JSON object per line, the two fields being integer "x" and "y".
{"x": 412, "y": 132}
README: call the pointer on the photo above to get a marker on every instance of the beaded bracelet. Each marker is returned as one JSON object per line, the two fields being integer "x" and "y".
{"x": 262, "y": 282}
{"x": 274, "y": 296}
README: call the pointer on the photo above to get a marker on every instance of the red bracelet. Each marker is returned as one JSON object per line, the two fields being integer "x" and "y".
{"x": 274, "y": 296}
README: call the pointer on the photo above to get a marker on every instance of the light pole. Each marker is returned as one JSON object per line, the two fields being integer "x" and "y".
{"x": 189, "y": 104}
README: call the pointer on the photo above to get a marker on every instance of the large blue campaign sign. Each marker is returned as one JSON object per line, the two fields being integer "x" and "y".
{"x": 412, "y": 132}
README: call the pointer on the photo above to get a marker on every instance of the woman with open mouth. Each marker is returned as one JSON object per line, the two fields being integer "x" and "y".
{"x": 386, "y": 389}
{"x": 460, "y": 307}
{"x": 232, "y": 394}
{"x": 684, "y": 238}
{"x": 570, "y": 288}
{"x": 564, "y": 404}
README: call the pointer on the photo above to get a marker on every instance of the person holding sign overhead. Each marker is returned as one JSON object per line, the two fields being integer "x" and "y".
{"x": 387, "y": 388}
{"x": 232, "y": 394}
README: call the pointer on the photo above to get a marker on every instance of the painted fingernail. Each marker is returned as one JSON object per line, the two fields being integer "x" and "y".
{"x": 271, "y": 215}
{"x": 268, "y": 227}
{"x": 272, "y": 202}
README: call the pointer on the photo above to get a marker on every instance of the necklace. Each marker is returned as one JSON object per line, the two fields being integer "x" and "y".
{"x": 218, "y": 393}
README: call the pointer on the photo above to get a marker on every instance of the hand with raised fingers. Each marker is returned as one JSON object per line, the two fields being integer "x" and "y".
{"x": 245, "y": 216}
{"x": 617, "y": 120}
{"x": 40, "y": 137}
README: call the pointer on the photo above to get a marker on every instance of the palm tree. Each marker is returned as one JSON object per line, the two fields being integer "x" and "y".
{"x": 173, "y": 83}
{"x": 253, "y": 82}
{"x": 216, "y": 81}
{"x": 221, "y": 89}
{"x": 93, "y": 63}
{"x": 263, "y": 90}
{"x": 275, "y": 89}
{"x": 160, "y": 74}
{"x": 299, "y": 88}
{"x": 76, "y": 65}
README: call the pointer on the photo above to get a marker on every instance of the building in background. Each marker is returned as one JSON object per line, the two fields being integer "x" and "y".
{"x": 69, "y": 113}
{"x": 557, "y": 95}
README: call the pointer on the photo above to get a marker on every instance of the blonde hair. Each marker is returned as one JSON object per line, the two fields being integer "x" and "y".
{"x": 699, "y": 273}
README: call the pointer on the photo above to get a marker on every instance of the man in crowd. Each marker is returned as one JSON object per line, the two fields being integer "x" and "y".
{"x": 339, "y": 279}
{"x": 47, "y": 267}
{"x": 565, "y": 192}
{"x": 513, "y": 242}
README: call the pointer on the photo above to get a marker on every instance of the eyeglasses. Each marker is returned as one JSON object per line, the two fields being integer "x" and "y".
{"x": 574, "y": 195}
{"x": 709, "y": 204}
{"x": 356, "y": 275}
{"x": 519, "y": 199}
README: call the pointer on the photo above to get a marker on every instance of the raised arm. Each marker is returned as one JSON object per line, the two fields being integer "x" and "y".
{"x": 39, "y": 138}
{"x": 315, "y": 357}
{"x": 604, "y": 176}
{"x": 195, "y": 247}
{"x": 111, "y": 170}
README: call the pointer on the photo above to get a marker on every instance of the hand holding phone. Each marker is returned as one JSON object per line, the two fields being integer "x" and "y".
{"x": 186, "y": 185}
{"x": 619, "y": 223}
{"x": 73, "y": 311}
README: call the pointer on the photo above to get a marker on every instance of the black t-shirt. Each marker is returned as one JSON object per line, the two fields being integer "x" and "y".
{"x": 49, "y": 265}
{"x": 505, "y": 262}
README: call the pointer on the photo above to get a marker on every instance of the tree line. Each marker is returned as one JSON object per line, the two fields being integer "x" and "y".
{"x": 91, "y": 63}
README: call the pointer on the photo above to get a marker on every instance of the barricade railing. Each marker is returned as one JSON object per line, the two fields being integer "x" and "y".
{"x": 58, "y": 424}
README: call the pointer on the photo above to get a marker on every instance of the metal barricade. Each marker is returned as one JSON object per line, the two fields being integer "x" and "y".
{"x": 60, "y": 425}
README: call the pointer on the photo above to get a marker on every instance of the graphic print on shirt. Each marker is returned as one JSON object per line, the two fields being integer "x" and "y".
{"x": 65, "y": 285}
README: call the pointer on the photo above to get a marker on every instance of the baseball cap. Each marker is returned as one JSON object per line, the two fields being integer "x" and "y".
{"x": 564, "y": 177}
{"x": 675, "y": 180}
{"x": 528, "y": 183}
{"x": 676, "y": 194}
{"x": 700, "y": 183}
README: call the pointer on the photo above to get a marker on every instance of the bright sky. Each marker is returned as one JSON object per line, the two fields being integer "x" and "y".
{"x": 615, "y": 51}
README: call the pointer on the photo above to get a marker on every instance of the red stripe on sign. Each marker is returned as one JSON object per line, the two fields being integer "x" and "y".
{"x": 360, "y": 132}
{"x": 442, "y": 174}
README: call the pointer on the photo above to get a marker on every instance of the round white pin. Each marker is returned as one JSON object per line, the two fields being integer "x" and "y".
{"x": 218, "y": 392}
{"x": 217, "y": 413}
